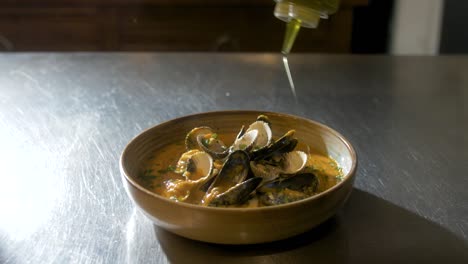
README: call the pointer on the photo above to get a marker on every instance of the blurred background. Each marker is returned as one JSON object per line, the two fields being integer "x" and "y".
{"x": 400, "y": 27}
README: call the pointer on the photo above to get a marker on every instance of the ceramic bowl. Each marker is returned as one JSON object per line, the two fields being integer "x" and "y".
{"x": 238, "y": 225}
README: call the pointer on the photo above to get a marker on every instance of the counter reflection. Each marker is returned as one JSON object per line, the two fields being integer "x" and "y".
{"x": 30, "y": 185}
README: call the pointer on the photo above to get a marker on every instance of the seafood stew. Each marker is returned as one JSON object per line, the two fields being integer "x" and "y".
{"x": 254, "y": 170}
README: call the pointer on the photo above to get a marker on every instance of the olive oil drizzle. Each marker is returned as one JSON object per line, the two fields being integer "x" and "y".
{"x": 292, "y": 28}
{"x": 288, "y": 73}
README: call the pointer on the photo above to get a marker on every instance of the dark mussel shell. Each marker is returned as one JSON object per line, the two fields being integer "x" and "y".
{"x": 234, "y": 171}
{"x": 238, "y": 194}
{"x": 284, "y": 144}
{"x": 241, "y": 132}
{"x": 290, "y": 189}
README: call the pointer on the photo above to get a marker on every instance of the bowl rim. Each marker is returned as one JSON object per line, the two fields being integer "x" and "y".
{"x": 346, "y": 177}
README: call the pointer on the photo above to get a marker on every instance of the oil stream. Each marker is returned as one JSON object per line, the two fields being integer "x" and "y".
{"x": 292, "y": 29}
{"x": 288, "y": 73}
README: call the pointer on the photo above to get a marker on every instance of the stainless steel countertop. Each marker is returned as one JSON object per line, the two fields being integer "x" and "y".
{"x": 65, "y": 118}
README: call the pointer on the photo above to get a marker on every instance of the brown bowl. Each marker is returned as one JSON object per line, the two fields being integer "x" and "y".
{"x": 238, "y": 225}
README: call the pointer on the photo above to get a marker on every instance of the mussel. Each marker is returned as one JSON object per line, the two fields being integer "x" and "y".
{"x": 253, "y": 165}
{"x": 288, "y": 189}
{"x": 230, "y": 185}
{"x": 285, "y": 144}
{"x": 286, "y": 163}
{"x": 237, "y": 194}
{"x": 257, "y": 136}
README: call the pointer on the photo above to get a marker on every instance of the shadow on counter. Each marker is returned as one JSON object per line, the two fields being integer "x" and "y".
{"x": 368, "y": 230}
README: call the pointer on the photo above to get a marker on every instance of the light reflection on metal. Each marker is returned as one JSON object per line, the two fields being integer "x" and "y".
{"x": 29, "y": 185}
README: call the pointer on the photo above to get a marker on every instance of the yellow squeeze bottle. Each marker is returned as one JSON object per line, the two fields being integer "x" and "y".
{"x": 302, "y": 13}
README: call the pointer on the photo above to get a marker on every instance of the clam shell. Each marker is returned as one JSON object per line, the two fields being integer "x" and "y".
{"x": 199, "y": 167}
{"x": 216, "y": 149}
{"x": 246, "y": 141}
{"x": 294, "y": 161}
{"x": 264, "y": 134}
{"x": 191, "y": 141}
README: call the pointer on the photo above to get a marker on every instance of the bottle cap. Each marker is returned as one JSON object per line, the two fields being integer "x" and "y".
{"x": 287, "y": 11}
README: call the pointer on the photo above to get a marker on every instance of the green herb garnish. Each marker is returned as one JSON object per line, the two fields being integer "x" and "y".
{"x": 339, "y": 177}
{"x": 147, "y": 178}
{"x": 166, "y": 170}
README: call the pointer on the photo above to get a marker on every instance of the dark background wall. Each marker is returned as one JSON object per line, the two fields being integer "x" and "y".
{"x": 162, "y": 25}
{"x": 371, "y": 27}
{"x": 454, "y": 35}
{"x": 361, "y": 26}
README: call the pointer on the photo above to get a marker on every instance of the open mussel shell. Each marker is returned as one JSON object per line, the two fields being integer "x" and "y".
{"x": 298, "y": 182}
{"x": 265, "y": 171}
{"x": 238, "y": 194}
{"x": 234, "y": 171}
{"x": 285, "y": 190}
{"x": 288, "y": 163}
{"x": 284, "y": 144}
